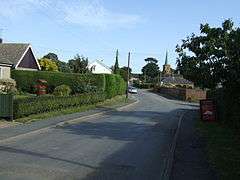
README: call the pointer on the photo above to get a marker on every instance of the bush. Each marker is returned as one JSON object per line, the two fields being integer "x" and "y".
{"x": 77, "y": 82}
{"x": 62, "y": 90}
{"x": 7, "y": 86}
{"x": 228, "y": 105}
{"x": 115, "y": 85}
{"x": 35, "y": 105}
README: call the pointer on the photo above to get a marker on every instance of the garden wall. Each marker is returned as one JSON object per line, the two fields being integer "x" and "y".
{"x": 184, "y": 94}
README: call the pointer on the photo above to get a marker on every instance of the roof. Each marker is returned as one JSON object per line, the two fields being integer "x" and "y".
{"x": 176, "y": 80}
{"x": 11, "y": 53}
{"x": 102, "y": 64}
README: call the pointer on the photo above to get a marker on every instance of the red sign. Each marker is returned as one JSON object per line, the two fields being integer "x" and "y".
{"x": 208, "y": 110}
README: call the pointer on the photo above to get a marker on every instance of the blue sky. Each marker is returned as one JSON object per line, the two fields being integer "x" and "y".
{"x": 96, "y": 28}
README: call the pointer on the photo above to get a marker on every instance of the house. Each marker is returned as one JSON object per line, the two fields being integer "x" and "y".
{"x": 16, "y": 56}
{"x": 98, "y": 67}
{"x": 172, "y": 81}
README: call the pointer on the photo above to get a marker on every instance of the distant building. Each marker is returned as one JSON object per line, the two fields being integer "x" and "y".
{"x": 170, "y": 79}
{"x": 98, "y": 67}
{"x": 167, "y": 70}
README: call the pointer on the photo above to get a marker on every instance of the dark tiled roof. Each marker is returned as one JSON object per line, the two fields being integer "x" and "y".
{"x": 11, "y": 53}
{"x": 176, "y": 80}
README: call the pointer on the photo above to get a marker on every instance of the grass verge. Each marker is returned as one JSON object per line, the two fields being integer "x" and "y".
{"x": 223, "y": 148}
{"x": 110, "y": 103}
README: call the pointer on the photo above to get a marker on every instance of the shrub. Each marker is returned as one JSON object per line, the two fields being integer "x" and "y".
{"x": 35, "y": 105}
{"x": 77, "y": 82}
{"x": 115, "y": 85}
{"x": 62, "y": 90}
{"x": 7, "y": 85}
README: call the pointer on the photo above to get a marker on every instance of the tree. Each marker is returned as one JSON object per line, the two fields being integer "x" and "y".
{"x": 51, "y": 56}
{"x": 48, "y": 65}
{"x": 62, "y": 66}
{"x": 124, "y": 72}
{"x": 214, "y": 56}
{"x": 116, "y": 66}
{"x": 151, "y": 60}
{"x": 151, "y": 69}
{"x": 79, "y": 64}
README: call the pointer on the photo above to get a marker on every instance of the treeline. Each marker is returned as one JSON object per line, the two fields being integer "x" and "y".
{"x": 212, "y": 61}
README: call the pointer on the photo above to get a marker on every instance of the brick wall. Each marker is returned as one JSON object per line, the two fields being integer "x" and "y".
{"x": 184, "y": 94}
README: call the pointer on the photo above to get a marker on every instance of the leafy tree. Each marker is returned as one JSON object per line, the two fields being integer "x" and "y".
{"x": 151, "y": 60}
{"x": 151, "y": 69}
{"x": 116, "y": 66}
{"x": 124, "y": 72}
{"x": 79, "y": 64}
{"x": 51, "y": 56}
{"x": 48, "y": 65}
{"x": 62, "y": 66}
{"x": 214, "y": 56}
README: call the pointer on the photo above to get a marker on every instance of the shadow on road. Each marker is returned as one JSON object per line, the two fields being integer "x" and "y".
{"x": 147, "y": 136}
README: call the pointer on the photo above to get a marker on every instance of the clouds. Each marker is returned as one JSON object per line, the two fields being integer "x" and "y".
{"x": 87, "y": 13}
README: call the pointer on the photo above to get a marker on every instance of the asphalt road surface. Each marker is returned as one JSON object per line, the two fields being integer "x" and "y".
{"x": 124, "y": 145}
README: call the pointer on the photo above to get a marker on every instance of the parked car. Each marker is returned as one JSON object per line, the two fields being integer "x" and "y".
{"x": 132, "y": 90}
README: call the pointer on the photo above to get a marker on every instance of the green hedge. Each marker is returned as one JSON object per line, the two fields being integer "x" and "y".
{"x": 228, "y": 106}
{"x": 111, "y": 84}
{"x": 115, "y": 85}
{"x": 35, "y": 105}
{"x": 79, "y": 83}
{"x": 88, "y": 89}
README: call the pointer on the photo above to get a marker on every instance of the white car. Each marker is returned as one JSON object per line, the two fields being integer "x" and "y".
{"x": 132, "y": 90}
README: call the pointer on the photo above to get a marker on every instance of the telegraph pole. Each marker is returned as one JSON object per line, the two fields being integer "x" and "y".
{"x": 128, "y": 73}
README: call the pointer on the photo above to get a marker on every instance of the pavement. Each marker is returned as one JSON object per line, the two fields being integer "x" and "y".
{"x": 128, "y": 144}
{"x": 190, "y": 160}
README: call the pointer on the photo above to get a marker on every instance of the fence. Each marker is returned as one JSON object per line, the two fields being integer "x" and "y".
{"x": 6, "y": 106}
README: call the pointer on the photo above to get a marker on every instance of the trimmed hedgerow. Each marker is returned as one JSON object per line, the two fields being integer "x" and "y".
{"x": 35, "y": 105}
{"x": 77, "y": 82}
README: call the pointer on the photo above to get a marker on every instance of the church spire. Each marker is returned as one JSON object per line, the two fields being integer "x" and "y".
{"x": 166, "y": 60}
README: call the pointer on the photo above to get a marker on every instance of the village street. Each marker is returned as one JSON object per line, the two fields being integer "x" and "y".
{"x": 129, "y": 144}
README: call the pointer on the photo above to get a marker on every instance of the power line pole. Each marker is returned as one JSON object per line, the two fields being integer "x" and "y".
{"x": 128, "y": 73}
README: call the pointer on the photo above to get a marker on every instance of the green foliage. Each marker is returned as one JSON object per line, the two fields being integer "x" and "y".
{"x": 27, "y": 106}
{"x": 123, "y": 72}
{"x": 62, "y": 90}
{"x": 151, "y": 60}
{"x": 79, "y": 64}
{"x": 51, "y": 56}
{"x": 151, "y": 69}
{"x": 77, "y": 82}
{"x": 228, "y": 105}
{"x": 116, "y": 65}
{"x": 48, "y": 65}
{"x": 115, "y": 85}
{"x": 214, "y": 56}
{"x": 62, "y": 66}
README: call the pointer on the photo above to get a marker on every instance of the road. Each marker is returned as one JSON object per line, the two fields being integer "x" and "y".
{"x": 129, "y": 144}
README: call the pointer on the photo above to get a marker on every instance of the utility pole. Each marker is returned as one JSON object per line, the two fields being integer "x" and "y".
{"x": 128, "y": 74}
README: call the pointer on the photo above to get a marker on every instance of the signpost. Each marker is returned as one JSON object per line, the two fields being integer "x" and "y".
{"x": 208, "y": 110}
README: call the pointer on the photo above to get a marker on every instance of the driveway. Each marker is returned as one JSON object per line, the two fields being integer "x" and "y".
{"x": 130, "y": 144}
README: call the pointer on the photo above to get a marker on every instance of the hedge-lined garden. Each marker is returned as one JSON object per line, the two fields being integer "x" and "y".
{"x": 35, "y": 105}
{"x": 79, "y": 83}
{"x": 85, "y": 89}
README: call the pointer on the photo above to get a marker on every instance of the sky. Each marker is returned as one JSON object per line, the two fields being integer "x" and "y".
{"x": 97, "y": 28}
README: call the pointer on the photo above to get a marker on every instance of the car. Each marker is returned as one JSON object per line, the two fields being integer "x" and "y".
{"x": 132, "y": 90}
